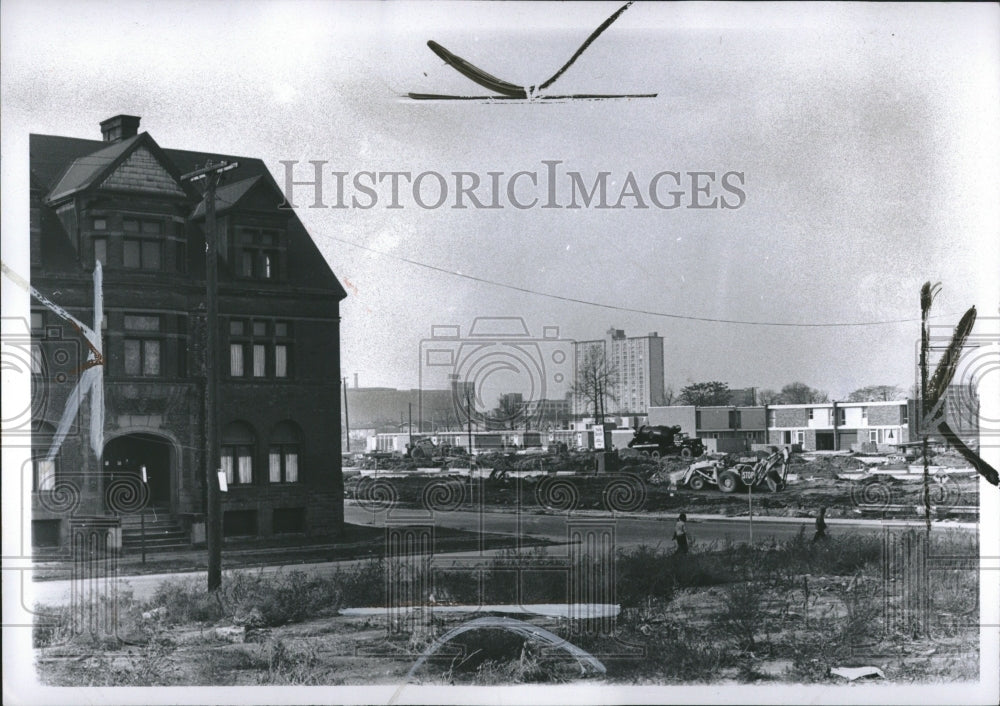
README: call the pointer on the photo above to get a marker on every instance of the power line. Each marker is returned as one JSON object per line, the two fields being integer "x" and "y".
{"x": 615, "y": 307}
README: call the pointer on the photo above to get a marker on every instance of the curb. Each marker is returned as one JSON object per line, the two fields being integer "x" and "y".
{"x": 666, "y": 516}
{"x": 795, "y": 520}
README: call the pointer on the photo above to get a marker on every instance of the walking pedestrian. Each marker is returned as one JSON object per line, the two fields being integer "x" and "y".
{"x": 820, "y": 525}
{"x": 680, "y": 534}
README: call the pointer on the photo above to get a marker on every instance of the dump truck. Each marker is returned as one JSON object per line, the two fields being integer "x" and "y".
{"x": 657, "y": 441}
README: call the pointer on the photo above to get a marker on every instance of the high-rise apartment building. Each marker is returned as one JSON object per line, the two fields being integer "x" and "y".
{"x": 635, "y": 372}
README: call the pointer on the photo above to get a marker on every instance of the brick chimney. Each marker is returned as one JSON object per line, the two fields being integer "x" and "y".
{"x": 120, "y": 127}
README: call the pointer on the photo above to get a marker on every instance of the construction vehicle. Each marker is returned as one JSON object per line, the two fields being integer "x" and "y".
{"x": 699, "y": 475}
{"x": 657, "y": 441}
{"x": 424, "y": 449}
{"x": 764, "y": 471}
{"x": 740, "y": 475}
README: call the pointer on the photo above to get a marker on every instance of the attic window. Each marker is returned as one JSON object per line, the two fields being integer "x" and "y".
{"x": 100, "y": 224}
{"x": 259, "y": 253}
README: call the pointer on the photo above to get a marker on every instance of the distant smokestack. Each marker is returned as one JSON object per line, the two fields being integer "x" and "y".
{"x": 355, "y": 381}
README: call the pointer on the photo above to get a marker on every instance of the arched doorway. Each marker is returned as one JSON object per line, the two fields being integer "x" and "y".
{"x": 126, "y": 456}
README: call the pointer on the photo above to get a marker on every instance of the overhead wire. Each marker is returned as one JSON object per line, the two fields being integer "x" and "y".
{"x": 617, "y": 307}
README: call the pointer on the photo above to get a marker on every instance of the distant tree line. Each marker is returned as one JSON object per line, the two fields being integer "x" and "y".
{"x": 715, "y": 393}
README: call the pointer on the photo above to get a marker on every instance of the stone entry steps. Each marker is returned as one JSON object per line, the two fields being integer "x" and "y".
{"x": 163, "y": 532}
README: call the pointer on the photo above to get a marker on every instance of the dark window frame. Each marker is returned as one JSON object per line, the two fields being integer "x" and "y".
{"x": 143, "y": 338}
{"x": 259, "y": 253}
{"x": 38, "y": 458}
{"x": 284, "y": 450}
{"x": 232, "y": 452}
{"x": 146, "y": 238}
{"x": 145, "y": 259}
{"x": 247, "y": 338}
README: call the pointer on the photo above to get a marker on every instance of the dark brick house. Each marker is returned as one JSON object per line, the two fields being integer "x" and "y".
{"x": 121, "y": 201}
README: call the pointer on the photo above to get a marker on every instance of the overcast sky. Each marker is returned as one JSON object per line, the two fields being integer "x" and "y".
{"x": 867, "y": 136}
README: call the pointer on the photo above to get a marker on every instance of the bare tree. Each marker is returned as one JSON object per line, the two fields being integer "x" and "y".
{"x": 669, "y": 396}
{"x": 768, "y": 396}
{"x": 800, "y": 393}
{"x": 596, "y": 381}
{"x": 875, "y": 393}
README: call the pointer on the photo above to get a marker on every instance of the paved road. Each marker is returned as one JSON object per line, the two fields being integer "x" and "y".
{"x": 629, "y": 532}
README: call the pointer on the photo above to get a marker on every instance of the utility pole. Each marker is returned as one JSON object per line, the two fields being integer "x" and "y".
{"x": 347, "y": 422}
{"x": 468, "y": 409}
{"x": 212, "y": 174}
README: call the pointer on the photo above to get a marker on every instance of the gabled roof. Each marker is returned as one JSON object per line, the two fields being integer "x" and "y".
{"x": 227, "y": 196}
{"x": 86, "y": 170}
{"x": 92, "y": 168}
{"x": 53, "y": 155}
{"x": 62, "y": 166}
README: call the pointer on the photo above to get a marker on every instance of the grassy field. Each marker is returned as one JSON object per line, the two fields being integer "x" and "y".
{"x": 786, "y": 612}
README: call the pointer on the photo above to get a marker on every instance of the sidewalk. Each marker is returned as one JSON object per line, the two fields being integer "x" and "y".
{"x": 194, "y": 559}
{"x": 664, "y": 516}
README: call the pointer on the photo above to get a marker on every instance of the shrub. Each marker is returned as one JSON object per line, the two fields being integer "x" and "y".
{"x": 287, "y": 666}
{"x": 257, "y": 599}
{"x": 51, "y": 626}
{"x": 186, "y": 600}
{"x": 525, "y": 577}
{"x": 643, "y": 573}
{"x": 862, "y": 625}
{"x": 362, "y": 584}
{"x": 672, "y": 651}
{"x": 744, "y": 612}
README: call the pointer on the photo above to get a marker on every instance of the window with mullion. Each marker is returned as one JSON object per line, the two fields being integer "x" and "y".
{"x": 143, "y": 346}
{"x": 259, "y": 348}
{"x": 237, "y": 353}
{"x": 283, "y": 463}
{"x": 260, "y": 252}
{"x": 259, "y": 360}
{"x": 237, "y": 463}
{"x": 44, "y": 474}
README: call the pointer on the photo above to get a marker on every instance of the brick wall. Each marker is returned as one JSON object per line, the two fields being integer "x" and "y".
{"x": 885, "y": 415}
{"x": 790, "y": 417}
